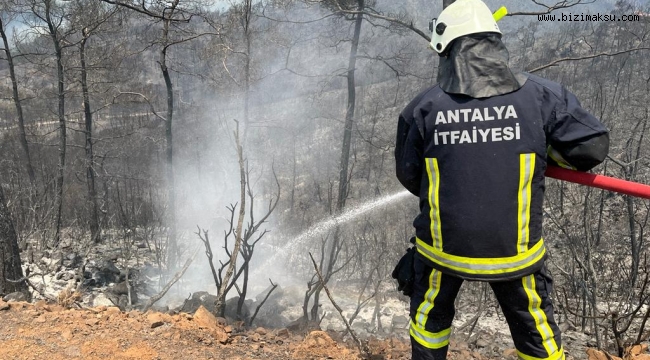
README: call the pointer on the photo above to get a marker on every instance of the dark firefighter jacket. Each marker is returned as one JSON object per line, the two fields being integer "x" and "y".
{"x": 478, "y": 167}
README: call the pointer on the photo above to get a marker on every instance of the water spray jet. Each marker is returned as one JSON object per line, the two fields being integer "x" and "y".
{"x": 322, "y": 227}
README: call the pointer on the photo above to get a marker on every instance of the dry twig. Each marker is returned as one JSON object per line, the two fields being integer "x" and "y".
{"x": 273, "y": 287}
{"x": 363, "y": 346}
{"x": 171, "y": 283}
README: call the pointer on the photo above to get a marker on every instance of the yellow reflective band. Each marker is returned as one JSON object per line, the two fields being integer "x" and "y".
{"x": 429, "y": 339}
{"x": 557, "y": 356}
{"x": 429, "y": 298}
{"x": 483, "y": 266}
{"x": 541, "y": 322}
{"x": 434, "y": 201}
{"x": 526, "y": 170}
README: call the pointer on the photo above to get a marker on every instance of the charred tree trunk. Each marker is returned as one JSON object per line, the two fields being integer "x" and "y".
{"x": 172, "y": 248}
{"x": 243, "y": 293}
{"x": 343, "y": 164}
{"x": 349, "y": 115}
{"x": 220, "y": 305}
{"x": 9, "y": 253}
{"x": 247, "y": 70}
{"x": 19, "y": 108}
{"x": 90, "y": 171}
{"x": 54, "y": 34}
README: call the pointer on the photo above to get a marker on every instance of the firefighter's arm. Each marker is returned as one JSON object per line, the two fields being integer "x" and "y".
{"x": 576, "y": 139}
{"x": 408, "y": 154}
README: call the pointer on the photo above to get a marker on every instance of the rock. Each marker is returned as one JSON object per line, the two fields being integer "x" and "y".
{"x": 133, "y": 273}
{"x": 43, "y": 305}
{"x": 275, "y": 296}
{"x": 482, "y": 343}
{"x": 52, "y": 264}
{"x": 113, "y": 310}
{"x": 72, "y": 260}
{"x": 204, "y": 318}
{"x": 638, "y": 349}
{"x": 297, "y": 325}
{"x": 360, "y": 325}
{"x": 270, "y": 313}
{"x": 17, "y": 297}
{"x": 4, "y": 306}
{"x": 594, "y": 354}
{"x": 155, "y": 320}
{"x": 272, "y": 321}
{"x": 231, "y": 310}
{"x": 103, "y": 274}
{"x": 510, "y": 354}
{"x": 400, "y": 322}
{"x": 123, "y": 301}
{"x": 120, "y": 289}
{"x": 65, "y": 275}
{"x": 199, "y": 299}
{"x": 255, "y": 337}
{"x": 260, "y": 330}
{"x": 100, "y": 300}
{"x": 92, "y": 322}
{"x": 214, "y": 325}
{"x": 113, "y": 255}
{"x": 336, "y": 325}
{"x": 319, "y": 339}
{"x": 283, "y": 333}
{"x": 60, "y": 283}
{"x": 108, "y": 265}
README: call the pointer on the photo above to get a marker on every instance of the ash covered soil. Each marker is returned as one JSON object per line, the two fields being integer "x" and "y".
{"x": 45, "y": 331}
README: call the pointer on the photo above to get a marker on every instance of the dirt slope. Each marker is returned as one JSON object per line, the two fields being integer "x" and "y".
{"x": 42, "y": 331}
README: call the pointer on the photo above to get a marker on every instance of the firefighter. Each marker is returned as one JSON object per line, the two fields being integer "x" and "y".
{"x": 474, "y": 149}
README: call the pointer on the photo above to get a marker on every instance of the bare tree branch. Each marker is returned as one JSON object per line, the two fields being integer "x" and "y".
{"x": 273, "y": 286}
{"x": 550, "y": 8}
{"x": 555, "y": 62}
{"x": 363, "y": 347}
{"x": 171, "y": 283}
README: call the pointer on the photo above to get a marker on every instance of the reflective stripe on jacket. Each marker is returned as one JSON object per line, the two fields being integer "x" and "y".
{"x": 478, "y": 167}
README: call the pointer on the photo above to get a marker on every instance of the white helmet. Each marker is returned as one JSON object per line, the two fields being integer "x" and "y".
{"x": 462, "y": 17}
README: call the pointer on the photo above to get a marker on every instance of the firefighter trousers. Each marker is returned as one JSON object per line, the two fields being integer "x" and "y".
{"x": 525, "y": 303}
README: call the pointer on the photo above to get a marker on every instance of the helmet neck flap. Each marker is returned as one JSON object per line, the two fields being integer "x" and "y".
{"x": 476, "y": 65}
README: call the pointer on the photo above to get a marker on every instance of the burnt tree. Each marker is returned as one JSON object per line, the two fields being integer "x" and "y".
{"x": 9, "y": 254}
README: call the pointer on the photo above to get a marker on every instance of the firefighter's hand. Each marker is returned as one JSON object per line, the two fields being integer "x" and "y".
{"x": 404, "y": 273}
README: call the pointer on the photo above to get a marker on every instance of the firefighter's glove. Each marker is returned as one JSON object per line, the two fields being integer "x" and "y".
{"x": 555, "y": 158}
{"x": 404, "y": 272}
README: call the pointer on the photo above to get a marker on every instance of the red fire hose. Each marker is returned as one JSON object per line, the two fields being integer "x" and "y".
{"x": 600, "y": 181}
